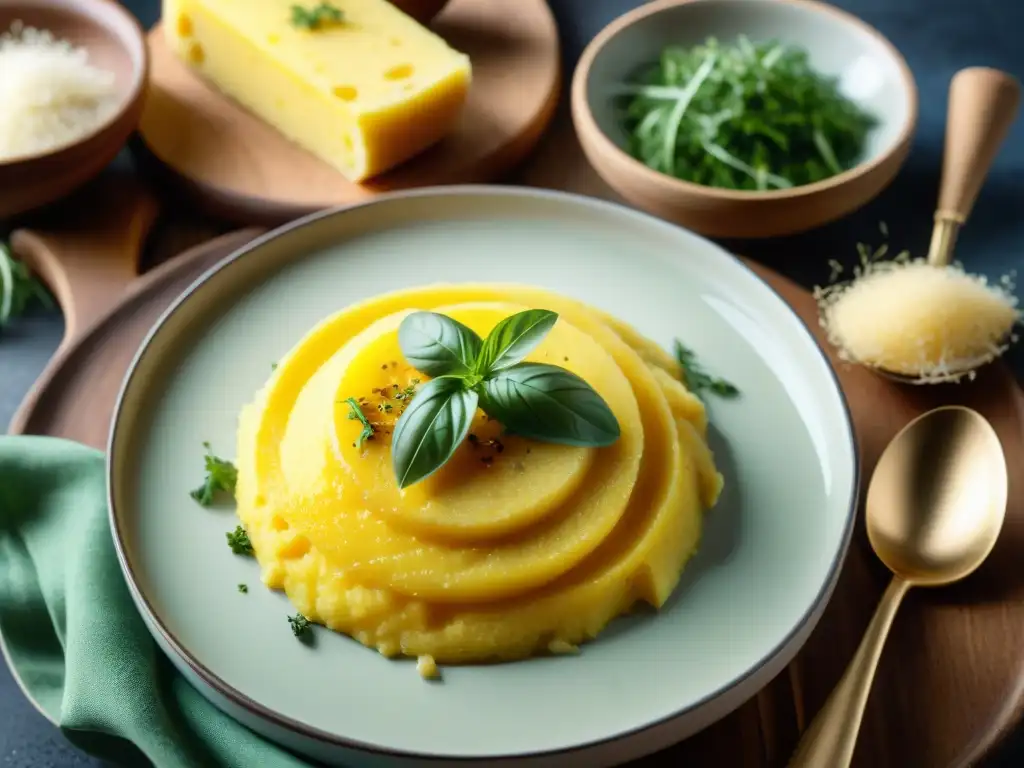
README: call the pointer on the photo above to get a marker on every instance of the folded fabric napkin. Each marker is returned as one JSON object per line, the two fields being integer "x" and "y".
{"x": 73, "y": 635}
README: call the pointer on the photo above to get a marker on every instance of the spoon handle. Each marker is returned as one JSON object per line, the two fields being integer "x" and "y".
{"x": 983, "y": 103}
{"x": 832, "y": 736}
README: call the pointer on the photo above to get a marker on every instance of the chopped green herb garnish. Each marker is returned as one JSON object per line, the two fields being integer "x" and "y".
{"x": 696, "y": 379}
{"x": 745, "y": 116}
{"x": 239, "y": 542}
{"x": 19, "y": 289}
{"x": 317, "y": 17}
{"x": 302, "y": 627}
{"x": 243, "y": 588}
{"x": 273, "y": 366}
{"x": 356, "y": 414}
{"x": 406, "y": 393}
{"x": 221, "y": 476}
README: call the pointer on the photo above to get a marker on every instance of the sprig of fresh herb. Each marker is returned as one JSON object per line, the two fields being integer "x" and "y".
{"x": 745, "y": 116}
{"x": 19, "y": 289}
{"x": 535, "y": 400}
{"x": 243, "y": 588}
{"x": 302, "y": 627}
{"x": 317, "y": 17}
{"x": 698, "y": 380}
{"x": 239, "y": 542}
{"x": 221, "y": 476}
{"x": 356, "y": 414}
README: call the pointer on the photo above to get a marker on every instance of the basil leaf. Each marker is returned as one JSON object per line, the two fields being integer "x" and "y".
{"x": 549, "y": 403}
{"x": 513, "y": 339}
{"x": 437, "y": 345}
{"x": 431, "y": 428}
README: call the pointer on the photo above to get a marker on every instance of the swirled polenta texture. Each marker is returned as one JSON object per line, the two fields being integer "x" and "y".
{"x": 515, "y": 547}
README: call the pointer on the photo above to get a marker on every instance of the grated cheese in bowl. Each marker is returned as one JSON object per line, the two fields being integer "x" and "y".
{"x": 51, "y": 95}
{"x": 930, "y": 324}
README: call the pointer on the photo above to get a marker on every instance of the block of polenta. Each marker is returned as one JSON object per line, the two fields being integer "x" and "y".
{"x": 365, "y": 89}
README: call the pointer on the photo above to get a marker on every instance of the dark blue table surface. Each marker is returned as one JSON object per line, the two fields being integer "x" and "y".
{"x": 936, "y": 36}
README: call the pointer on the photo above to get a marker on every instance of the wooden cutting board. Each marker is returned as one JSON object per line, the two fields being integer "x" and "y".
{"x": 235, "y": 166}
{"x": 951, "y": 680}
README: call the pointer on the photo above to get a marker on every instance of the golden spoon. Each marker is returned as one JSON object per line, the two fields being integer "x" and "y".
{"x": 983, "y": 104}
{"x": 935, "y": 507}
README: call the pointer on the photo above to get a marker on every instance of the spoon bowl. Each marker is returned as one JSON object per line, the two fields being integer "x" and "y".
{"x": 983, "y": 103}
{"x": 937, "y": 499}
{"x": 935, "y": 507}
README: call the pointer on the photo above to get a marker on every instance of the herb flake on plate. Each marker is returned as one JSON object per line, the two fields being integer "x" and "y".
{"x": 696, "y": 379}
{"x": 753, "y": 116}
{"x": 302, "y": 627}
{"x": 239, "y": 542}
{"x": 221, "y": 477}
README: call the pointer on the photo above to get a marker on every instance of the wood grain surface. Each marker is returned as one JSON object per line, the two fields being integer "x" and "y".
{"x": 951, "y": 679}
{"x": 238, "y": 167}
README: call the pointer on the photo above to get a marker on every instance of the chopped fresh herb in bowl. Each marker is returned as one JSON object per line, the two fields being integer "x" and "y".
{"x": 752, "y": 116}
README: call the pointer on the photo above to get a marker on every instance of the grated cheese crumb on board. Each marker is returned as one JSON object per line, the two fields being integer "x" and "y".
{"x": 927, "y": 323}
{"x": 51, "y": 95}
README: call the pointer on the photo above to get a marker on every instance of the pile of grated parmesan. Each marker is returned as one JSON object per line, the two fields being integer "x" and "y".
{"x": 927, "y": 323}
{"x": 51, "y": 95}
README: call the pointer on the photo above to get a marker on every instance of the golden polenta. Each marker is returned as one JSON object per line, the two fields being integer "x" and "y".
{"x": 514, "y": 547}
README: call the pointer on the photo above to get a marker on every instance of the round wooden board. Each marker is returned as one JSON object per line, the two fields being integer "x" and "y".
{"x": 950, "y": 678}
{"x": 238, "y": 167}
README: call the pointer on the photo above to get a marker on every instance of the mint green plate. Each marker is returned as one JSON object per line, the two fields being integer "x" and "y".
{"x": 769, "y": 559}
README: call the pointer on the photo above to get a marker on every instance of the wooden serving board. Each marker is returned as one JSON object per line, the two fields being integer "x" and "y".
{"x": 238, "y": 167}
{"x": 951, "y": 679}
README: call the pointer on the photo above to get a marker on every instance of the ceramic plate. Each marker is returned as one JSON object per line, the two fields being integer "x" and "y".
{"x": 771, "y": 551}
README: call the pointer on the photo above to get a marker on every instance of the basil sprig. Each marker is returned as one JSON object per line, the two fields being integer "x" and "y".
{"x": 535, "y": 400}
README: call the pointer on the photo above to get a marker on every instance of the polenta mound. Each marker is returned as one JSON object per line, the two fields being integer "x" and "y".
{"x": 514, "y": 547}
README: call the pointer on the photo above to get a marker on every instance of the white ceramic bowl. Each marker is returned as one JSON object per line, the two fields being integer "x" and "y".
{"x": 770, "y": 555}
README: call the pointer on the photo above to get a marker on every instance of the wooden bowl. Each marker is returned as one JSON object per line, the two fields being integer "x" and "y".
{"x": 116, "y": 42}
{"x": 423, "y": 11}
{"x": 871, "y": 70}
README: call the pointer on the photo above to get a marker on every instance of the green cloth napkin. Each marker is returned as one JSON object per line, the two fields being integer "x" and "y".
{"x": 72, "y": 632}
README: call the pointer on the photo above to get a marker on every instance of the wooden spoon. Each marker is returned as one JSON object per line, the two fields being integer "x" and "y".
{"x": 88, "y": 261}
{"x": 983, "y": 104}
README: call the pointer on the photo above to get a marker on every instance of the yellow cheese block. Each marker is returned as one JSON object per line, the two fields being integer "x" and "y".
{"x": 364, "y": 94}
